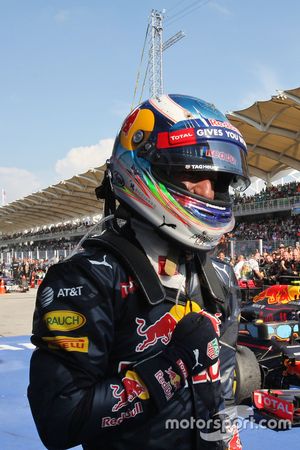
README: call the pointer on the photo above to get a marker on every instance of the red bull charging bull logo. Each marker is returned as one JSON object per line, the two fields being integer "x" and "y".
{"x": 175, "y": 379}
{"x": 163, "y": 328}
{"x": 278, "y": 294}
{"x": 133, "y": 388}
{"x": 119, "y": 393}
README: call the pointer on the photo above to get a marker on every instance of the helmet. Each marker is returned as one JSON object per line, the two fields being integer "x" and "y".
{"x": 177, "y": 134}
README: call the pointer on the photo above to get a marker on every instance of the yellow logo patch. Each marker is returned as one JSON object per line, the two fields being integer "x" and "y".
{"x": 63, "y": 320}
{"x": 139, "y": 119}
{"x": 179, "y": 311}
{"x": 69, "y": 344}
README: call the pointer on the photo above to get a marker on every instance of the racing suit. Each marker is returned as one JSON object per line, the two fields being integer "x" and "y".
{"x": 92, "y": 324}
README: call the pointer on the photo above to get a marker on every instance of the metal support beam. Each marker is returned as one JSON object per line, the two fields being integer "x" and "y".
{"x": 284, "y": 94}
{"x": 282, "y": 158}
{"x": 267, "y": 127}
{"x": 173, "y": 39}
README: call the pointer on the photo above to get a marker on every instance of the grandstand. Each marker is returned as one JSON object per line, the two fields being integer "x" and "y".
{"x": 48, "y": 223}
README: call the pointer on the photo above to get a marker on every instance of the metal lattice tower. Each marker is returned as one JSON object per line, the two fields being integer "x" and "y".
{"x": 156, "y": 49}
{"x": 155, "y": 54}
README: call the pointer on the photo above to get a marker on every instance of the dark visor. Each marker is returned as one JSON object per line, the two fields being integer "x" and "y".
{"x": 210, "y": 156}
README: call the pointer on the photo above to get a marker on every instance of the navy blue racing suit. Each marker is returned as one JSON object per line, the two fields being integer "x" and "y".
{"x": 92, "y": 324}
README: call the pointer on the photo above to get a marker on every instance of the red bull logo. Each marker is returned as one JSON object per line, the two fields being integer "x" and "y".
{"x": 278, "y": 294}
{"x": 128, "y": 414}
{"x": 129, "y": 121}
{"x": 161, "y": 330}
{"x": 169, "y": 385}
{"x": 119, "y": 393}
{"x": 165, "y": 385}
{"x": 133, "y": 388}
{"x": 175, "y": 379}
{"x": 139, "y": 119}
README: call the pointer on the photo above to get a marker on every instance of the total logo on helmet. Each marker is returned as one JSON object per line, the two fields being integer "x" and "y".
{"x": 192, "y": 136}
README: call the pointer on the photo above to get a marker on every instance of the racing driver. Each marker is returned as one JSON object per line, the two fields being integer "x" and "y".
{"x": 135, "y": 334}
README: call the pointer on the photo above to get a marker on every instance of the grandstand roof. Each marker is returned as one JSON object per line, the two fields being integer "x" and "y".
{"x": 272, "y": 133}
{"x": 70, "y": 199}
{"x": 271, "y": 130}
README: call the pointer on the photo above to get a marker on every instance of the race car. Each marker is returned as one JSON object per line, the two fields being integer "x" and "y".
{"x": 281, "y": 405}
{"x": 268, "y": 352}
{"x": 12, "y": 285}
{"x": 7, "y": 281}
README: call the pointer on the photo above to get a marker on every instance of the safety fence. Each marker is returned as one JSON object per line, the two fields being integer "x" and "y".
{"x": 247, "y": 247}
{"x": 231, "y": 248}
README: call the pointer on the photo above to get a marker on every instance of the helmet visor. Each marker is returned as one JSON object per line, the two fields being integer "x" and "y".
{"x": 211, "y": 156}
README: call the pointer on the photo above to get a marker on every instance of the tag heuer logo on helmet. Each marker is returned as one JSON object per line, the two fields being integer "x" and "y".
{"x": 198, "y": 167}
{"x": 213, "y": 349}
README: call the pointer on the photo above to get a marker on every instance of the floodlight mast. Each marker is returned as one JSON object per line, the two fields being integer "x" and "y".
{"x": 155, "y": 52}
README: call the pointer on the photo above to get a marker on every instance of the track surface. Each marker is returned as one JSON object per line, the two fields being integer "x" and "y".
{"x": 17, "y": 429}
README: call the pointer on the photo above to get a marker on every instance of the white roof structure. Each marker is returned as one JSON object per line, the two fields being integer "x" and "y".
{"x": 272, "y": 133}
{"x": 271, "y": 130}
{"x": 68, "y": 200}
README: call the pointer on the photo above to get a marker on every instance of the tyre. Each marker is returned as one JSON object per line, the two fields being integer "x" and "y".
{"x": 247, "y": 374}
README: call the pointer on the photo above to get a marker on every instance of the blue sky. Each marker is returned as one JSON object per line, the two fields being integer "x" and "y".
{"x": 69, "y": 67}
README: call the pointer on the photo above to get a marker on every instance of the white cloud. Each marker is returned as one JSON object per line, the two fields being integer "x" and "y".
{"x": 266, "y": 86}
{"x": 17, "y": 183}
{"x": 81, "y": 159}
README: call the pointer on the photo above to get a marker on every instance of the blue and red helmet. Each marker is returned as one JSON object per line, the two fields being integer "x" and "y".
{"x": 174, "y": 135}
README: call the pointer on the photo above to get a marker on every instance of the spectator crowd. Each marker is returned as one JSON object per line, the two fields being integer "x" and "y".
{"x": 51, "y": 229}
{"x": 280, "y": 266}
{"x": 270, "y": 193}
{"x": 280, "y": 235}
{"x": 24, "y": 271}
{"x": 276, "y": 229}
